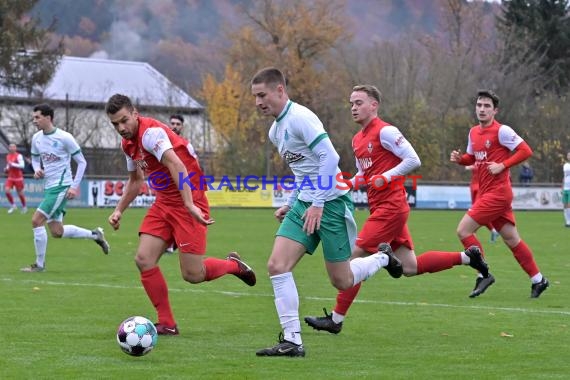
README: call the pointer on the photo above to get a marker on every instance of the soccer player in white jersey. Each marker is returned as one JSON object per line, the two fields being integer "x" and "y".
{"x": 52, "y": 150}
{"x": 317, "y": 211}
{"x": 566, "y": 190}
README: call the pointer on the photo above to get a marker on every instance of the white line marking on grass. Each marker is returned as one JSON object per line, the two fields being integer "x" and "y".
{"x": 327, "y": 299}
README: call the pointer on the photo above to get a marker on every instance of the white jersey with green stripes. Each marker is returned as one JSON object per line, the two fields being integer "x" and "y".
{"x": 55, "y": 150}
{"x": 295, "y": 132}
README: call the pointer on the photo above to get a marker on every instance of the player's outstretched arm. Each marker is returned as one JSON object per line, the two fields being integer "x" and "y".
{"x": 130, "y": 192}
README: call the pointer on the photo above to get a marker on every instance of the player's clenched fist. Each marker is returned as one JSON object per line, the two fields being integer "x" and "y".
{"x": 115, "y": 220}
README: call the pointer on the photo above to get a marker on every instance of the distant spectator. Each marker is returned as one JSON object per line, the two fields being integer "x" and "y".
{"x": 526, "y": 174}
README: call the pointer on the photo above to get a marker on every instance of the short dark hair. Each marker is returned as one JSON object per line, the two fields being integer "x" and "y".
{"x": 45, "y": 109}
{"x": 118, "y": 102}
{"x": 270, "y": 76}
{"x": 489, "y": 94}
{"x": 369, "y": 90}
{"x": 177, "y": 116}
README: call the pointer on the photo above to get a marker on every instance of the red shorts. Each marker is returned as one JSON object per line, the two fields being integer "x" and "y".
{"x": 174, "y": 224}
{"x": 17, "y": 183}
{"x": 494, "y": 209}
{"x": 384, "y": 226}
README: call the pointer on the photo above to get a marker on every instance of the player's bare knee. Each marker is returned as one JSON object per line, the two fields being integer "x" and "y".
{"x": 192, "y": 277}
{"x": 462, "y": 234}
{"x": 341, "y": 282}
{"x": 144, "y": 263}
{"x": 56, "y": 234}
{"x": 37, "y": 222}
{"x": 511, "y": 241}
{"x": 275, "y": 267}
{"x": 56, "y": 230}
{"x": 409, "y": 269}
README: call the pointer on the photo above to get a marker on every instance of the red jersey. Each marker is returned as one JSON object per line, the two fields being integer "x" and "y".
{"x": 152, "y": 140}
{"x": 15, "y": 173}
{"x": 492, "y": 144}
{"x": 475, "y": 177}
{"x": 374, "y": 159}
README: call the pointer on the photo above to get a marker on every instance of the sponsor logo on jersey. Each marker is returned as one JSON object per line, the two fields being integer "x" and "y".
{"x": 480, "y": 155}
{"x": 291, "y": 157}
{"x": 487, "y": 144}
{"x": 400, "y": 140}
{"x": 158, "y": 146}
{"x": 369, "y": 146}
{"x": 365, "y": 162}
{"x": 50, "y": 157}
{"x": 141, "y": 164}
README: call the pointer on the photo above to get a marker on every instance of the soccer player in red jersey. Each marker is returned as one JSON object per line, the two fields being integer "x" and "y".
{"x": 489, "y": 147}
{"x": 474, "y": 189}
{"x": 180, "y": 213}
{"x": 383, "y": 157}
{"x": 15, "y": 170}
{"x": 176, "y": 123}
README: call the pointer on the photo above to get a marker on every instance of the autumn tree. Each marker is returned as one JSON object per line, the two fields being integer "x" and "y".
{"x": 26, "y": 58}
{"x": 299, "y": 38}
{"x": 240, "y": 135}
{"x": 427, "y": 82}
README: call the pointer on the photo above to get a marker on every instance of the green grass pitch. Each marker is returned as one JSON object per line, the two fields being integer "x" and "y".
{"x": 61, "y": 324}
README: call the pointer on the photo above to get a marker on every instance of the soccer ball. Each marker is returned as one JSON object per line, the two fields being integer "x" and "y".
{"x": 137, "y": 336}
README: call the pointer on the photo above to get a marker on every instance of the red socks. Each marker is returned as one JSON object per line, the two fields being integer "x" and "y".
{"x": 472, "y": 240}
{"x": 436, "y": 261}
{"x": 344, "y": 299}
{"x": 218, "y": 267}
{"x": 157, "y": 291}
{"x": 525, "y": 259}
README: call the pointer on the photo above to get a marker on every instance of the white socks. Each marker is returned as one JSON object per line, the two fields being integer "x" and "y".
{"x": 465, "y": 259}
{"x": 337, "y": 318}
{"x": 74, "y": 232}
{"x": 536, "y": 278}
{"x": 40, "y": 243}
{"x": 69, "y": 231}
{"x": 287, "y": 305}
{"x": 364, "y": 267}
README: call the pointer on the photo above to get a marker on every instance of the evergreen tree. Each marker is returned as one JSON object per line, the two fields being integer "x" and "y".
{"x": 26, "y": 58}
{"x": 543, "y": 27}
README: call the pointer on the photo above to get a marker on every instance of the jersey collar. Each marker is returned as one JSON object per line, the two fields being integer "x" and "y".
{"x": 51, "y": 133}
{"x": 284, "y": 112}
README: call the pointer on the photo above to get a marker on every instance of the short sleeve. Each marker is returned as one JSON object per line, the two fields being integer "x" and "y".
{"x": 156, "y": 141}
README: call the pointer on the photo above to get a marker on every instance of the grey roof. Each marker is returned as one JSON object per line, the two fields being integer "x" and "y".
{"x": 94, "y": 80}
